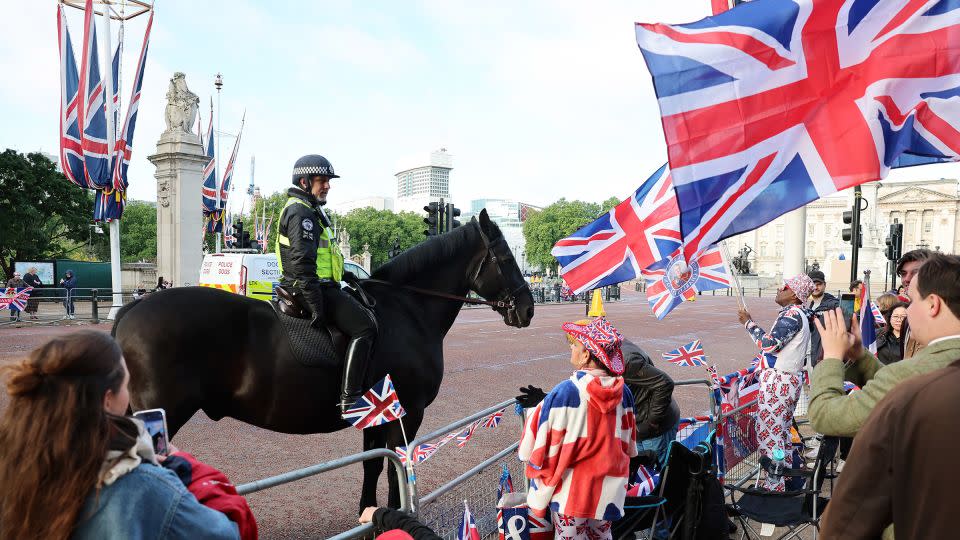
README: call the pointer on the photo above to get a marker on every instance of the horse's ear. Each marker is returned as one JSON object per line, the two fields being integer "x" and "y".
{"x": 484, "y": 219}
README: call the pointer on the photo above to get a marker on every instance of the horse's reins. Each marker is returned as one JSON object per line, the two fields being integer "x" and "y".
{"x": 510, "y": 303}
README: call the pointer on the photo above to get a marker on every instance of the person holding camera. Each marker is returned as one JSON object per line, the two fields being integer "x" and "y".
{"x": 73, "y": 466}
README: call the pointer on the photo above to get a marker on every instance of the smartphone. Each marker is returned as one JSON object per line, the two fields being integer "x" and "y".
{"x": 155, "y": 421}
{"x": 847, "y": 301}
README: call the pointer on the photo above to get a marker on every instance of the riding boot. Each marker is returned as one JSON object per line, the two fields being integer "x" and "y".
{"x": 358, "y": 356}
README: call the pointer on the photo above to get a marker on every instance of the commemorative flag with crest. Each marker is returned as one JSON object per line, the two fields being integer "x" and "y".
{"x": 776, "y": 103}
{"x": 671, "y": 282}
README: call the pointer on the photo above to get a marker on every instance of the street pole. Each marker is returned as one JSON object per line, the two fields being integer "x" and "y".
{"x": 855, "y": 233}
{"x": 218, "y": 83}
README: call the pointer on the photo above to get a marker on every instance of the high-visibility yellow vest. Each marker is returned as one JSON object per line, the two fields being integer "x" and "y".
{"x": 329, "y": 258}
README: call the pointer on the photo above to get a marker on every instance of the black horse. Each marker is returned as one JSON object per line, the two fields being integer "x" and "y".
{"x": 197, "y": 348}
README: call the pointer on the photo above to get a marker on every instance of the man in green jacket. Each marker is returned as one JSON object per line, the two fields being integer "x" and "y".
{"x": 934, "y": 316}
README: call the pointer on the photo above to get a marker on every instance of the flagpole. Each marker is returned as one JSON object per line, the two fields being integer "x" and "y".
{"x": 116, "y": 276}
{"x": 738, "y": 289}
{"x": 218, "y": 82}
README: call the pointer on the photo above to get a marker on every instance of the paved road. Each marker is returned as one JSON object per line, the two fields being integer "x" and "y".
{"x": 486, "y": 362}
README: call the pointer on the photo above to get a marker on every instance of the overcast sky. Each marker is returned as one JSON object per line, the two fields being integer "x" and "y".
{"x": 536, "y": 100}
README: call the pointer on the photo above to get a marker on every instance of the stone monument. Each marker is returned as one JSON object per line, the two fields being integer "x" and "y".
{"x": 179, "y": 161}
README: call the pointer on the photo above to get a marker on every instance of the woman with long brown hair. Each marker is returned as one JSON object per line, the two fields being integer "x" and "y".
{"x": 72, "y": 465}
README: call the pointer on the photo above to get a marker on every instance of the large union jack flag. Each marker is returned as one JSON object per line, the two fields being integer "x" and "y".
{"x": 776, "y": 103}
{"x": 669, "y": 284}
{"x": 377, "y": 406}
{"x": 637, "y": 233}
{"x": 209, "y": 190}
{"x": 688, "y": 355}
{"x": 71, "y": 153}
{"x": 15, "y": 298}
{"x": 92, "y": 114}
{"x": 228, "y": 172}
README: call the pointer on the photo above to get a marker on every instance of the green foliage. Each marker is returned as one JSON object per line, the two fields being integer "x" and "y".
{"x": 543, "y": 229}
{"x": 267, "y": 208}
{"x": 380, "y": 229}
{"x": 43, "y": 213}
{"x": 138, "y": 232}
{"x": 608, "y": 204}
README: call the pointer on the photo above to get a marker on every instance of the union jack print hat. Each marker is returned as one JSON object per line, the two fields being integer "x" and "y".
{"x": 601, "y": 339}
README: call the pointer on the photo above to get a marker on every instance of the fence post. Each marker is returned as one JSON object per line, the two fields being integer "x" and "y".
{"x": 95, "y": 306}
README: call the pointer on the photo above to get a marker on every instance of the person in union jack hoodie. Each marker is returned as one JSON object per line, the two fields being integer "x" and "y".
{"x": 578, "y": 441}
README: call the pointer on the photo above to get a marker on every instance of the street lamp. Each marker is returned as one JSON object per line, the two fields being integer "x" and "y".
{"x": 523, "y": 262}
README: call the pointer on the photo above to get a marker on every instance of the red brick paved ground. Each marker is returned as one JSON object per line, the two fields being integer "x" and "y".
{"x": 486, "y": 362}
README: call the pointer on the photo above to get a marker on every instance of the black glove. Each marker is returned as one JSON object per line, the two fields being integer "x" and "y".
{"x": 530, "y": 396}
{"x": 349, "y": 276}
{"x": 314, "y": 298}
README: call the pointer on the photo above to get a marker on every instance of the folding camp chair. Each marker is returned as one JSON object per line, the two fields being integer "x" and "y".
{"x": 796, "y": 510}
{"x": 677, "y": 498}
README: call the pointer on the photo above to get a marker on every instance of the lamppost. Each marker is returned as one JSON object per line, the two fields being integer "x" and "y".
{"x": 523, "y": 262}
{"x": 94, "y": 228}
{"x": 218, "y": 83}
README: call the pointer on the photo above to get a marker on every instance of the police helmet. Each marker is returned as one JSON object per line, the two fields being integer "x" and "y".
{"x": 312, "y": 165}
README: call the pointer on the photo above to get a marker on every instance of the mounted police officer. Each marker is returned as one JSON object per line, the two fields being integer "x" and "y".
{"x": 311, "y": 262}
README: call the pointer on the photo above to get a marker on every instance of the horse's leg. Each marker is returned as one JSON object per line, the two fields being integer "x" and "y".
{"x": 411, "y": 423}
{"x": 372, "y": 438}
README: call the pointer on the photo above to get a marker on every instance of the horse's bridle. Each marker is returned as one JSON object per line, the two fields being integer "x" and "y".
{"x": 505, "y": 300}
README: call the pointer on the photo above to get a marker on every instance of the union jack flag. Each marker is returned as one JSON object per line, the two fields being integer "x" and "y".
{"x": 669, "y": 284}
{"x": 877, "y": 316}
{"x": 228, "y": 172}
{"x": 849, "y": 387}
{"x": 776, "y": 103}
{"x": 377, "y": 406}
{"x": 643, "y": 483}
{"x": 420, "y": 453}
{"x": 638, "y": 232}
{"x": 15, "y": 298}
{"x": 468, "y": 528}
{"x": 71, "y": 153}
{"x": 465, "y": 435}
{"x": 688, "y": 355}
{"x": 868, "y": 330}
{"x": 209, "y": 189}
{"x": 92, "y": 115}
{"x": 493, "y": 420}
{"x": 124, "y": 145}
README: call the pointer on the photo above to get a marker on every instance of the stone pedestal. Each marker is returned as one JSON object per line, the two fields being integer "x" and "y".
{"x": 179, "y": 161}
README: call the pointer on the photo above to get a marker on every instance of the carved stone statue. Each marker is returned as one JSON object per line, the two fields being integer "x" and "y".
{"x": 741, "y": 262}
{"x": 182, "y": 105}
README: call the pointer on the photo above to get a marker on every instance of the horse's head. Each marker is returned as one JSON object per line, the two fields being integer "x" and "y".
{"x": 495, "y": 275}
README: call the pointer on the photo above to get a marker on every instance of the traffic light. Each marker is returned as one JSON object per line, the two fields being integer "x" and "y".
{"x": 245, "y": 242}
{"x": 847, "y": 233}
{"x": 433, "y": 219}
{"x": 451, "y": 216}
{"x": 238, "y": 234}
{"x": 895, "y": 242}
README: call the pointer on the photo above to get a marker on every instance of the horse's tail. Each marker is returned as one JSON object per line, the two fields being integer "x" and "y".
{"x": 123, "y": 311}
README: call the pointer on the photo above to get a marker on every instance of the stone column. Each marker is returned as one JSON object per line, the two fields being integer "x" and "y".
{"x": 179, "y": 161}
{"x": 795, "y": 242}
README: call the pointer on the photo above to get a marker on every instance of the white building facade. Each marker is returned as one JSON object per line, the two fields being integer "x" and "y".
{"x": 509, "y": 216}
{"x": 377, "y": 203}
{"x": 418, "y": 186}
{"x": 928, "y": 209}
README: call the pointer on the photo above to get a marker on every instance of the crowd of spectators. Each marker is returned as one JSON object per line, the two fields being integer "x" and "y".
{"x": 67, "y": 425}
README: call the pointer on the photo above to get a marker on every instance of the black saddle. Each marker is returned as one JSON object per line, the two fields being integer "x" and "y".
{"x": 312, "y": 347}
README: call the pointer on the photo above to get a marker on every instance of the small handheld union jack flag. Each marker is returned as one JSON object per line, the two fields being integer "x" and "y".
{"x": 15, "y": 298}
{"x": 643, "y": 483}
{"x": 877, "y": 316}
{"x": 468, "y": 528}
{"x": 378, "y": 406}
{"x": 687, "y": 355}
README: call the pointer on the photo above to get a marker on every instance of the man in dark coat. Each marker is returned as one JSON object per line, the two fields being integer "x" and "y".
{"x": 820, "y": 302}
{"x": 657, "y": 413}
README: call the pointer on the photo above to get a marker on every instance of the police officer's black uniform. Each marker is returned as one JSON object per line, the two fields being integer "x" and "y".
{"x": 304, "y": 230}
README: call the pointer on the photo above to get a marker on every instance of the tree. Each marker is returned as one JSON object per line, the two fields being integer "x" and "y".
{"x": 379, "y": 229}
{"x": 543, "y": 229}
{"x": 608, "y": 204}
{"x": 138, "y": 232}
{"x": 42, "y": 211}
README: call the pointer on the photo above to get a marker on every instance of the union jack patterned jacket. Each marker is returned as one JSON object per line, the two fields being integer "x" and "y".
{"x": 577, "y": 444}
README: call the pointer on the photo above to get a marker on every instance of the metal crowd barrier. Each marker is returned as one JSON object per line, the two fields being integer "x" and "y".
{"x": 91, "y": 305}
{"x": 299, "y": 474}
